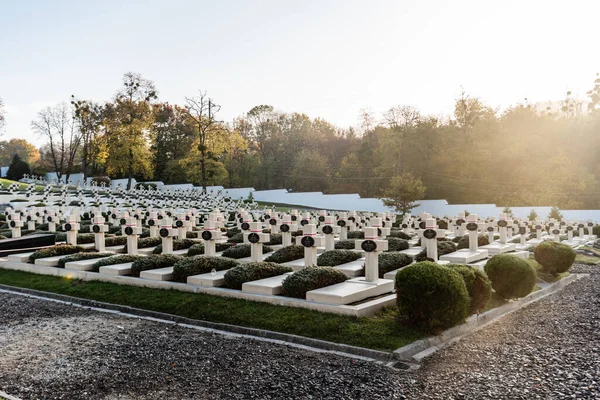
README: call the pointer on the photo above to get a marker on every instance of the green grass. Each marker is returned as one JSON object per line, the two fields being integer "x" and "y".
{"x": 22, "y": 186}
{"x": 379, "y": 332}
{"x": 584, "y": 259}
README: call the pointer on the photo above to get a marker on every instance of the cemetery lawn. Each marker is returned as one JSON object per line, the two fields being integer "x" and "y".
{"x": 281, "y": 207}
{"x": 587, "y": 260}
{"x": 380, "y": 332}
{"x": 22, "y": 186}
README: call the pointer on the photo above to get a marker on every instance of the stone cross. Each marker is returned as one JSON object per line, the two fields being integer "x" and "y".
{"x": 153, "y": 223}
{"x": 132, "y": 231}
{"x": 15, "y": 225}
{"x": 310, "y": 241}
{"x": 245, "y": 225}
{"x": 31, "y": 219}
{"x": 372, "y": 246}
{"x": 51, "y": 220}
{"x": 273, "y": 223}
{"x": 99, "y": 228}
{"x": 286, "y": 228}
{"x": 581, "y": 226}
{"x": 430, "y": 236}
{"x": 329, "y": 230}
{"x": 256, "y": 239}
{"x": 491, "y": 229}
{"x": 502, "y": 226}
{"x": 180, "y": 224}
{"x": 473, "y": 227}
{"x": 72, "y": 227}
{"x": 539, "y": 230}
{"x": 342, "y": 222}
{"x": 523, "y": 230}
{"x": 210, "y": 235}
{"x": 166, "y": 233}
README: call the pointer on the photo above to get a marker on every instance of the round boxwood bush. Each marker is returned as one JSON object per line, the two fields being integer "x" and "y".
{"x": 512, "y": 277}
{"x": 154, "y": 261}
{"x": 332, "y": 258}
{"x": 478, "y": 285}
{"x": 81, "y": 256}
{"x": 275, "y": 239}
{"x": 463, "y": 243}
{"x": 236, "y": 277}
{"x": 356, "y": 235}
{"x": 58, "y": 250}
{"x": 243, "y": 251}
{"x": 287, "y": 254}
{"x": 113, "y": 260}
{"x": 198, "y": 248}
{"x": 178, "y": 244}
{"x": 197, "y": 265}
{"x": 311, "y": 278}
{"x": 231, "y": 232}
{"x": 399, "y": 234}
{"x": 555, "y": 258}
{"x": 396, "y": 244}
{"x": 390, "y": 261}
{"x": 348, "y": 244}
{"x": 431, "y": 297}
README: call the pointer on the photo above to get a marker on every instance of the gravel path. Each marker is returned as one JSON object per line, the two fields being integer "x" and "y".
{"x": 549, "y": 350}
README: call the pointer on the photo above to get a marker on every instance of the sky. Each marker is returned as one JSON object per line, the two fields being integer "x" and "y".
{"x": 326, "y": 58}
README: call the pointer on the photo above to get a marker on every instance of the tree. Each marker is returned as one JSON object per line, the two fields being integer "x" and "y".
{"x": 55, "y": 124}
{"x": 555, "y": 213}
{"x": 128, "y": 119}
{"x": 201, "y": 110}
{"x": 27, "y": 151}
{"x": 532, "y": 216}
{"x": 17, "y": 168}
{"x": 403, "y": 191}
{"x": 2, "y": 115}
{"x": 507, "y": 211}
{"x": 88, "y": 117}
{"x": 594, "y": 95}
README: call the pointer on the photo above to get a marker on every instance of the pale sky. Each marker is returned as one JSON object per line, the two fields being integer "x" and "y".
{"x": 327, "y": 58}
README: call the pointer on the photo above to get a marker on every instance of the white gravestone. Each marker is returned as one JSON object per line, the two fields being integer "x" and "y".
{"x": 72, "y": 227}
{"x": 15, "y": 225}
{"x": 99, "y": 228}
{"x": 256, "y": 239}
{"x": 310, "y": 240}
{"x": 167, "y": 232}
{"x": 132, "y": 231}
{"x": 329, "y": 230}
{"x": 286, "y": 228}
{"x": 210, "y": 235}
{"x": 372, "y": 246}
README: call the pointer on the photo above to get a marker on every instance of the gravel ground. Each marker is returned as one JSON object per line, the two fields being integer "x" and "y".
{"x": 549, "y": 350}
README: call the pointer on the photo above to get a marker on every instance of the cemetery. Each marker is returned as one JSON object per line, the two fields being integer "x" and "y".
{"x": 346, "y": 263}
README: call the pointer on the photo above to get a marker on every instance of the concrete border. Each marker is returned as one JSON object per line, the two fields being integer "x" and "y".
{"x": 315, "y": 345}
{"x": 420, "y": 349}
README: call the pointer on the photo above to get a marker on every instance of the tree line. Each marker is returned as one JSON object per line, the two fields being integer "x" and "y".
{"x": 524, "y": 155}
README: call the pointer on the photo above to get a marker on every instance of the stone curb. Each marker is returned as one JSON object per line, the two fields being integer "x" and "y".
{"x": 418, "y": 350}
{"x": 275, "y": 337}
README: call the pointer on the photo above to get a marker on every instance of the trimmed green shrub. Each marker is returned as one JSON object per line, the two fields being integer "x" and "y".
{"x": 58, "y": 250}
{"x": 356, "y": 235}
{"x": 81, "y": 256}
{"x": 275, "y": 239}
{"x": 399, "y": 234}
{"x": 478, "y": 285}
{"x": 236, "y": 277}
{"x": 444, "y": 247}
{"x": 154, "y": 261}
{"x": 463, "y": 243}
{"x": 555, "y": 258}
{"x": 198, "y": 248}
{"x": 298, "y": 283}
{"x": 286, "y": 254}
{"x": 396, "y": 244}
{"x": 237, "y": 238}
{"x": 113, "y": 260}
{"x": 178, "y": 244}
{"x": 116, "y": 241}
{"x": 345, "y": 244}
{"x": 431, "y": 297}
{"x": 232, "y": 232}
{"x": 332, "y": 258}
{"x": 144, "y": 243}
{"x": 512, "y": 277}
{"x": 200, "y": 265}
{"x": 243, "y": 251}
{"x": 389, "y": 261}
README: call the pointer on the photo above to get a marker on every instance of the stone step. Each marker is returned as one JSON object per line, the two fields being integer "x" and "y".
{"x": 116, "y": 269}
{"x": 159, "y": 274}
{"x": 208, "y": 279}
{"x": 21, "y": 257}
{"x": 465, "y": 256}
{"x": 270, "y": 286}
{"x": 296, "y": 264}
{"x": 82, "y": 265}
{"x": 351, "y": 291}
{"x": 48, "y": 261}
{"x": 353, "y": 268}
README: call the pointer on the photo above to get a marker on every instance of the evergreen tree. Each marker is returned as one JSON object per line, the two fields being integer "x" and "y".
{"x": 17, "y": 168}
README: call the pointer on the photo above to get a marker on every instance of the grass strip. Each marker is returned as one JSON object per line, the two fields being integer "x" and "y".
{"x": 379, "y": 332}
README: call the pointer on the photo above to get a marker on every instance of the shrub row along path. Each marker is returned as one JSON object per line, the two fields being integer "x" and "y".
{"x": 550, "y": 349}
